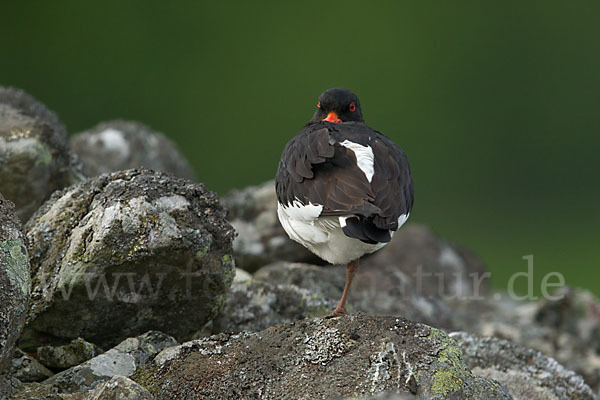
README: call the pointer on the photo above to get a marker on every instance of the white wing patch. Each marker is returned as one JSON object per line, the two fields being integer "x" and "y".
{"x": 364, "y": 157}
{"x": 299, "y": 223}
{"x": 303, "y": 212}
{"x": 402, "y": 219}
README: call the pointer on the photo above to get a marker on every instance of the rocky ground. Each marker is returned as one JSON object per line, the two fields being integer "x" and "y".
{"x": 119, "y": 282}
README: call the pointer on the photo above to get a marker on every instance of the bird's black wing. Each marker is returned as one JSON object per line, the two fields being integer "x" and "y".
{"x": 315, "y": 168}
{"x": 392, "y": 182}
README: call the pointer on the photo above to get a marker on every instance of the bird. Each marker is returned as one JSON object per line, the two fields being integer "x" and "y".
{"x": 343, "y": 188}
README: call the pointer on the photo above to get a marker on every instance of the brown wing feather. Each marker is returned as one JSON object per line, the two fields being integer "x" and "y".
{"x": 315, "y": 168}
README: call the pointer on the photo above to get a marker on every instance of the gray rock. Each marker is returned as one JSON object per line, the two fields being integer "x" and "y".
{"x": 122, "y": 360}
{"x": 9, "y": 385}
{"x": 384, "y": 396}
{"x": 323, "y": 281}
{"x": 241, "y": 276}
{"x": 261, "y": 239}
{"x": 253, "y": 306}
{"x": 39, "y": 391}
{"x": 526, "y": 373}
{"x": 354, "y": 355}
{"x": 15, "y": 282}
{"x": 69, "y": 355}
{"x": 566, "y": 328}
{"x": 126, "y": 252}
{"x": 418, "y": 275}
{"x": 35, "y": 159}
{"x": 27, "y": 369}
{"x": 439, "y": 268}
{"x": 118, "y": 145}
{"x": 119, "y": 388}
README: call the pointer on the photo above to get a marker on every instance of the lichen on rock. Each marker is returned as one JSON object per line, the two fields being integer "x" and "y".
{"x": 261, "y": 240}
{"x": 35, "y": 158}
{"x": 69, "y": 355}
{"x": 119, "y": 145}
{"x": 526, "y": 373}
{"x": 255, "y": 305}
{"x": 125, "y": 252}
{"x": 122, "y": 360}
{"x": 355, "y": 355}
{"x": 15, "y": 282}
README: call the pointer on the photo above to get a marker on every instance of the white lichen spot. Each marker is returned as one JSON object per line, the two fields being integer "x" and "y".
{"x": 173, "y": 202}
{"x": 423, "y": 305}
{"x": 409, "y": 368}
{"x": 449, "y": 258}
{"x": 324, "y": 345}
{"x": 204, "y": 346}
{"x": 111, "y": 214}
{"x": 114, "y": 141}
{"x": 382, "y": 368}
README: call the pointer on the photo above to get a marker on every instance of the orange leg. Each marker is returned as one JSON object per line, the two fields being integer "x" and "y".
{"x": 351, "y": 269}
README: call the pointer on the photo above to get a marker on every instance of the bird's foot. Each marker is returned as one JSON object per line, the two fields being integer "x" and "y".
{"x": 338, "y": 312}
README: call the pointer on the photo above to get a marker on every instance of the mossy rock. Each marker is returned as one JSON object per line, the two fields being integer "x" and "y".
{"x": 127, "y": 252}
{"x": 354, "y": 355}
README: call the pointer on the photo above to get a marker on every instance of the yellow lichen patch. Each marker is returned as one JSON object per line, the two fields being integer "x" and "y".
{"x": 446, "y": 381}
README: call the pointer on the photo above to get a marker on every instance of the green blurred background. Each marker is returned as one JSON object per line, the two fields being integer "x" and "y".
{"x": 497, "y": 104}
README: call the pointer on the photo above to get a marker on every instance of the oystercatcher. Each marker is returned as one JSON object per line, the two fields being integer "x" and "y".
{"x": 343, "y": 188}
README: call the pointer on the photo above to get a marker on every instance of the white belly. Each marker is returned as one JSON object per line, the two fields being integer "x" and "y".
{"x": 324, "y": 237}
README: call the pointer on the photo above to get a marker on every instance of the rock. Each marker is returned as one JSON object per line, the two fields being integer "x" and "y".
{"x": 62, "y": 357}
{"x": 119, "y": 145}
{"x": 253, "y": 306}
{"x": 39, "y": 391}
{"x": 385, "y": 396}
{"x": 27, "y": 369}
{"x": 119, "y": 388}
{"x": 320, "y": 358}
{"x": 566, "y": 326}
{"x": 117, "y": 255}
{"x": 15, "y": 282}
{"x": 526, "y": 373}
{"x": 418, "y": 275}
{"x": 393, "y": 288}
{"x": 35, "y": 156}
{"x": 323, "y": 281}
{"x": 241, "y": 276}
{"x": 261, "y": 239}
{"x": 9, "y": 385}
{"x": 439, "y": 268}
{"x": 121, "y": 360}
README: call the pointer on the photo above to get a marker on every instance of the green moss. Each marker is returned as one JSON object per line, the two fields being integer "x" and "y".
{"x": 202, "y": 253}
{"x": 226, "y": 259}
{"x": 146, "y": 377}
{"x": 79, "y": 252}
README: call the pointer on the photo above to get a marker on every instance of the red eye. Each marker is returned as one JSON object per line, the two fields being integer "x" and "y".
{"x": 352, "y": 107}
{"x": 319, "y": 105}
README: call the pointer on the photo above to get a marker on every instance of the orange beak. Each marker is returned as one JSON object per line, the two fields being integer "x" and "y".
{"x": 332, "y": 117}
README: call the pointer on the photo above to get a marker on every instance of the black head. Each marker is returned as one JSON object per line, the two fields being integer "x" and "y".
{"x": 338, "y": 105}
